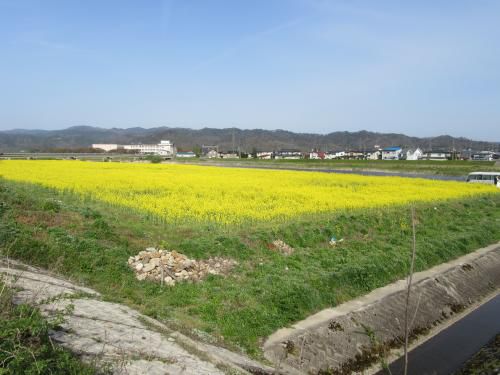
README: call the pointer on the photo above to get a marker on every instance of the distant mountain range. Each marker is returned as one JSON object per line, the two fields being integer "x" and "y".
{"x": 81, "y": 137}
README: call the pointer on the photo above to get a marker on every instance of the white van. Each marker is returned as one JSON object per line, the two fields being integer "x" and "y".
{"x": 492, "y": 178}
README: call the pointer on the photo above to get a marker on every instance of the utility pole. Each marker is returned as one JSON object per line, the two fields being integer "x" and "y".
{"x": 232, "y": 148}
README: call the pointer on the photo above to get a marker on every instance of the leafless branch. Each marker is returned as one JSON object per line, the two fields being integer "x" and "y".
{"x": 408, "y": 290}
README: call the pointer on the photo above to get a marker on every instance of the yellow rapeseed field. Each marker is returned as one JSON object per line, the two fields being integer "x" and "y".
{"x": 229, "y": 195}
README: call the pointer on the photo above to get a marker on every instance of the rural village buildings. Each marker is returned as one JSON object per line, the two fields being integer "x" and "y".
{"x": 210, "y": 152}
{"x": 392, "y": 153}
{"x": 414, "y": 154}
{"x": 485, "y": 155}
{"x": 185, "y": 154}
{"x": 288, "y": 154}
{"x": 317, "y": 155}
{"x": 336, "y": 155}
{"x": 327, "y": 155}
{"x": 265, "y": 155}
{"x": 168, "y": 150}
{"x": 440, "y": 155}
{"x": 374, "y": 155}
{"x": 164, "y": 148}
{"x": 229, "y": 155}
{"x": 106, "y": 146}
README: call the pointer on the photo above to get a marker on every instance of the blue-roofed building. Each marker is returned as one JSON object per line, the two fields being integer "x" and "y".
{"x": 392, "y": 153}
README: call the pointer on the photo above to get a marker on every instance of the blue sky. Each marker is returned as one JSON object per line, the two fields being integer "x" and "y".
{"x": 422, "y": 68}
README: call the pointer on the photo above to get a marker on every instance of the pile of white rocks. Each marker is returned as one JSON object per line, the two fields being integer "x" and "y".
{"x": 170, "y": 267}
{"x": 282, "y": 247}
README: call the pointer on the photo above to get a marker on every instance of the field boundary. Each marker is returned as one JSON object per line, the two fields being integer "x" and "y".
{"x": 114, "y": 335}
{"x": 347, "y": 170}
{"x": 353, "y": 335}
{"x": 333, "y": 257}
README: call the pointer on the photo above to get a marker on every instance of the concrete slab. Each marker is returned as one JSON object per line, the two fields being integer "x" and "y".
{"x": 344, "y": 338}
{"x": 111, "y": 334}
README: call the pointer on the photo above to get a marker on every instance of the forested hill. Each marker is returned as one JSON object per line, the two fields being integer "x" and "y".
{"x": 81, "y": 137}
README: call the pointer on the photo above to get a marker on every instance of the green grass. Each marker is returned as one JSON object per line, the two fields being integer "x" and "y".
{"x": 430, "y": 167}
{"x": 90, "y": 242}
{"x": 25, "y": 346}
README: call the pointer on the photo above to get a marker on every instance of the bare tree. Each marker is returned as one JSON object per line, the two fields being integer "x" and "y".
{"x": 408, "y": 290}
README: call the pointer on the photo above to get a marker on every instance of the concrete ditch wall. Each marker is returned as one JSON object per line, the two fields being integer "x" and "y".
{"x": 350, "y": 337}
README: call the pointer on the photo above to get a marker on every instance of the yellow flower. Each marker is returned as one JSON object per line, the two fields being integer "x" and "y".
{"x": 229, "y": 195}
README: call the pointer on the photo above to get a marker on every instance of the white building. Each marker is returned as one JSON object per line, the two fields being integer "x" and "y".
{"x": 316, "y": 155}
{"x": 164, "y": 148}
{"x": 335, "y": 155}
{"x": 212, "y": 154}
{"x": 414, "y": 154}
{"x": 288, "y": 154}
{"x": 392, "y": 153}
{"x": 105, "y": 146}
{"x": 483, "y": 155}
{"x": 185, "y": 154}
{"x": 374, "y": 155}
{"x": 265, "y": 155}
{"x": 438, "y": 155}
{"x": 229, "y": 155}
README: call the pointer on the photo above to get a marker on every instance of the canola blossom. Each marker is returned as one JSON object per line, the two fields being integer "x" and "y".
{"x": 229, "y": 195}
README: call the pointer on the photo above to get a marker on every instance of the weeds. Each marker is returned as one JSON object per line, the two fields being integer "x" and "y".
{"x": 25, "y": 344}
{"x": 267, "y": 290}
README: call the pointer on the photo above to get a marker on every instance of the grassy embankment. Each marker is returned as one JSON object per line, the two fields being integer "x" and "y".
{"x": 25, "y": 345}
{"x": 429, "y": 167}
{"x": 91, "y": 241}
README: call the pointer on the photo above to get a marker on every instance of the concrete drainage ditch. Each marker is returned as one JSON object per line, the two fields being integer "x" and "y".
{"x": 348, "y": 338}
{"x": 355, "y": 335}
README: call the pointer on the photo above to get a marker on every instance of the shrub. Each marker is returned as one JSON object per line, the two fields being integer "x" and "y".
{"x": 155, "y": 159}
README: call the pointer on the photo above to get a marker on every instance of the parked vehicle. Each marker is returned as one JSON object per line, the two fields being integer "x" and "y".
{"x": 484, "y": 178}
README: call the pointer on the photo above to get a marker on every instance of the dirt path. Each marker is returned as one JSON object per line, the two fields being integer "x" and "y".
{"x": 110, "y": 334}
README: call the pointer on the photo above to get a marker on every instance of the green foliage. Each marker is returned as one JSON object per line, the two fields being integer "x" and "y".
{"x": 25, "y": 345}
{"x": 155, "y": 159}
{"x": 267, "y": 290}
{"x": 51, "y": 205}
{"x": 197, "y": 150}
{"x": 88, "y": 212}
{"x": 254, "y": 152}
{"x": 3, "y": 208}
